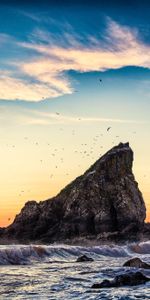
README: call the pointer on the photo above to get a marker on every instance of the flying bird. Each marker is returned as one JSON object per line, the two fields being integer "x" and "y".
{"x": 108, "y": 128}
{"x": 100, "y": 79}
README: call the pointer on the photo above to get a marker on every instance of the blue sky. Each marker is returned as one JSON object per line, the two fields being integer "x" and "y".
{"x": 34, "y": 33}
{"x": 51, "y": 59}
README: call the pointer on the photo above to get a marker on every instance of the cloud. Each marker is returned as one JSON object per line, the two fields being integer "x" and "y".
{"x": 18, "y": 89}
{"x": 30, "y": 15}
{"x": 44, "y": 75}
{"x": 23, "y": 116}
{"x": 44, "y": 118}
{"x": 5, "y": 38}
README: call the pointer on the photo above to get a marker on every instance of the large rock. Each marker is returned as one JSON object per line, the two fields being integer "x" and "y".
{"x": 84, "y": 258}
{"x": 136, "y": 262}
{"x": 129, "y": 279}
{"x": 105, "y": 198}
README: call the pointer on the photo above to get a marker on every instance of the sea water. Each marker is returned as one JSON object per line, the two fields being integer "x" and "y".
{"x": 51, "y": 272}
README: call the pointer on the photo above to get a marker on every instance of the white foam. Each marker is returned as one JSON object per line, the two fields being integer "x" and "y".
{"x": 29, "y": 254}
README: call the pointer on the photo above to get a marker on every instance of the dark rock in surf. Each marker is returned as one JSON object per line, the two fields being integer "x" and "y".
{"x": 105, "y": 199}
{"x": 130, "y": 279}
{"x": 84, "y": 258}
{"x": 146, "y": 231}
{"x": 136, "y": 263}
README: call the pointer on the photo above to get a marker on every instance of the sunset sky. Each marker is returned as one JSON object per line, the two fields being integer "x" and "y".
{"x": 54, "y": 111}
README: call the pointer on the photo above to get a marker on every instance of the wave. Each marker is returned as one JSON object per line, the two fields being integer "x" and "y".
{"x": 141, "y": 248}
{"x": 29, "y": 254}
{"x": 21, "y": 255}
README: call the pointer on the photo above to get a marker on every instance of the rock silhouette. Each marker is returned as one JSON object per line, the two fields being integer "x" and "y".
{"x": 130, "y": 279}
{"x": 105, "y": 199}
{"x": 84, "y": 258}
{"x": 136, "y": 262}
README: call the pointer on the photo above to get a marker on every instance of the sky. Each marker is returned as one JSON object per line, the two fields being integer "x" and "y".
{"x": 54, "y": 110}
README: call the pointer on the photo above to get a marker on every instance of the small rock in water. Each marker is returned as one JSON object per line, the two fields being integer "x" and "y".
{"x": 84, "y": 258}
{"x": 132, "y": 278}
{"x": 136, "y": 263}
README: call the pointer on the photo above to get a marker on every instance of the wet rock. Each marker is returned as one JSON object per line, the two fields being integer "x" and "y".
{"x": 146, "y": 231}
{"x": 104, "y": 199}
{"x": 84, "y": 258}
{"x": 129, "y": 279}
{"x": 136, "y": 263}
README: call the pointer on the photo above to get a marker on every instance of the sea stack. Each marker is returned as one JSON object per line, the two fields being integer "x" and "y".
{"x": 105, "y": 199}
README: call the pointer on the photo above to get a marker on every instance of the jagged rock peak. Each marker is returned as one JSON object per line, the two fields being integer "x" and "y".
{"x": 104, "y": 199}
{"x": 115, "y": 162}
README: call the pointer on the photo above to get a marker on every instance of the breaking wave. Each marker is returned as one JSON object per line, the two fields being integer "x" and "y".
{"x": 29, "y": 254}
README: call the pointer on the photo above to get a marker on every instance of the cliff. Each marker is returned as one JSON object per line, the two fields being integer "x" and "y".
{"x": 105, "y": 199}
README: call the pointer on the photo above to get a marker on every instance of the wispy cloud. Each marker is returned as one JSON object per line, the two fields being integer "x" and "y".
{"x": 32, "y": 16}
{"x": 24, "y": 116}
{"x": 44, "y": 75}
{"x": 4, "y": 38}
{"x": 44, "y": 118}
{"x": 12, "y": 88}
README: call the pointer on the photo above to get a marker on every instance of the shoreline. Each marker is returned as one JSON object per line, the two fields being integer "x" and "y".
{"x": 81, "y": 242}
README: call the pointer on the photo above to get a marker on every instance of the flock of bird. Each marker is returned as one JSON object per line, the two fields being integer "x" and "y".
{"x": 85, "y": 152}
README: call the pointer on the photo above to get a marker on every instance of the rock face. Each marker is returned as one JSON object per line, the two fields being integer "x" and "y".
{"x": 105, "y": 198}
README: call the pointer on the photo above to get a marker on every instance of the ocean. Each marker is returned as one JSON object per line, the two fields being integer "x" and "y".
{"x": 51, "y": 272}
